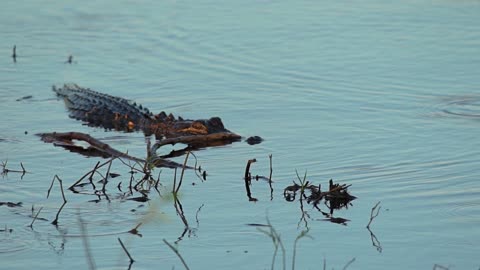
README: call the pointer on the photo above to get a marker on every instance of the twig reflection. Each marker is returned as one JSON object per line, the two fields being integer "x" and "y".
{"x": 248, "y": 179}
{"x": 373, "y": 214}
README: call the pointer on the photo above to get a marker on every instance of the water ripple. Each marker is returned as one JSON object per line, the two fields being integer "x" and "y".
{"x": 466, "y": 210}
{"x": 458, "y": 106}
{"x": 14, "y": 240}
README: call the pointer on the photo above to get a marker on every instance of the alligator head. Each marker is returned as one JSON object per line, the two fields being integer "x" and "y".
{"x": 203, "y": 126}
{"x": 164, "y": 126}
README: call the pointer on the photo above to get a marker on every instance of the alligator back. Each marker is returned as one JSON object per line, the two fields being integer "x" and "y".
{"x": 103, "y": 110}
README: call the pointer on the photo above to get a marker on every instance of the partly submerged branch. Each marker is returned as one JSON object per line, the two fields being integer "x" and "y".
{"x": 95, "y": 148}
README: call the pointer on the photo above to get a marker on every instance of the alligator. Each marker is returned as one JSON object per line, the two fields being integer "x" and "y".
{"x": 111, "y": 112}
{"x": 116, "y": 113}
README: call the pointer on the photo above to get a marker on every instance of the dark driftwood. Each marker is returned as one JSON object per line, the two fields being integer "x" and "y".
{"x": 96, "y": 148}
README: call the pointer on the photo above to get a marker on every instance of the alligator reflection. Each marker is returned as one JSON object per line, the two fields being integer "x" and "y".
{"x": 337, "y": 197}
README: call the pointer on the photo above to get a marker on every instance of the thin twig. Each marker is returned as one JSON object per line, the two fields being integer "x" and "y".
{"x": 304, "y": 216}
{"x": 179, "y": 209}
{"x": 4, "y": 165}
{"x": 90, "y": 178}
{"x": 185, "y": 230}
{"x": 271, "y": 169}
{"x": 176, "y": 252}
{"x": 130, "y": 184}
{"x": 90, "y": 172}
{"x": 270, "y": 178}
{"x": 105, "y": 180}
{"x": 132, "y": 167}
{"x": 6, "y": 170}
{"x": 348, "y": 263}
{"x": 14, "y": 54}
{"x": 301, "y": 235}
{"x": 174, "y": 181}
{"x": 55, "y": 221}
{"x": 374, "y": 214}
{"x": 248, "y": 178}
{"x": 23, "y": 168}
{"x": 35, "y": 218}
{"x": 375, "y": 241}
{"x": 126, "y": 251}
{"x": 196, "y": 215}
{"x": 277, "y": 241}
{"x": 183, "y": 171}
{"x": 198, "y": 170}
{"x": 86, "y": 245}
{"x": 158, "y": 181}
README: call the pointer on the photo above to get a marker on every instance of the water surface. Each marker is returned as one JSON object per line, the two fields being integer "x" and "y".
{"x": 380, "y": 95}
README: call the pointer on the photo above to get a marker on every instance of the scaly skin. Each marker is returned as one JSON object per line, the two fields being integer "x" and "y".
{"x": 103, "y": 110}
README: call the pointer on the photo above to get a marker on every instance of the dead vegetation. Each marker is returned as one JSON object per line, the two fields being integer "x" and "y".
{"x": 6, "y": 170}
{"x": 336, "y": 197}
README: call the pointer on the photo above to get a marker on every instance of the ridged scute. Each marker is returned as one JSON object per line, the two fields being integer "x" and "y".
{"x": 99, "y": 109}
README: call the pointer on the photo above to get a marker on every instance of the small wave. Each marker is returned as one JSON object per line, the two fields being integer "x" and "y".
{"x": 467, "y": 106}
{"x": 465, "y": 209}
{"x": 14, "y": 240}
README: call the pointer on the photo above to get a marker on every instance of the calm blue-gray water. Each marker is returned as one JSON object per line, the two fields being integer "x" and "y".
{"x": 382, "y": 95}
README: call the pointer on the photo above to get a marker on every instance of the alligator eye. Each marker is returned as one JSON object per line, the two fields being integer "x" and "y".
{"x": 216, "y": 122}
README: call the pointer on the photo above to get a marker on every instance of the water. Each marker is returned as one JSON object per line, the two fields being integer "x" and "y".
{"x": 380, "y": 95}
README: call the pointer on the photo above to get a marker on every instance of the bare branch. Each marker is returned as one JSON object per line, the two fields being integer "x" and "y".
{"x": 374, "y": 214}
{"x": 126, "y": 251}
